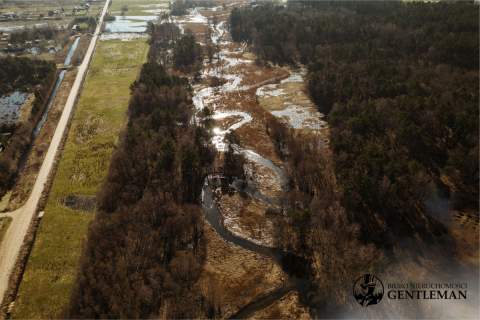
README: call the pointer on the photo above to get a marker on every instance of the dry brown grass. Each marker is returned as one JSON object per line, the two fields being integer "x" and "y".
{"x": 288, "y": 307}
{"x": 238, "y": 275}
{"x": 249, "y": 217}
{"x": 27, "y": 176}
{"x": 252, "y": 135}
{"x": 464, "y": 230}
{"x": 198, "y": 29}
{"x": 81, "y": 49}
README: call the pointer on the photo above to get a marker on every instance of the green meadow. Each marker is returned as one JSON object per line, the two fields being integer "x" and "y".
{"x": 98, "y": 119}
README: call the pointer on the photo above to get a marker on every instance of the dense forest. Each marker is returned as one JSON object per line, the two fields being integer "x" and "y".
{"x": 163, "y": 38}
{"x": 145, "y": 248}
{"x": 315, "y": 225}
{"x": 24, "y": 75}
{"x": 30, "y": 34}
{"x": 172, "y": 49}
{"x": 188, "y": 54}
{"x": 179, "y": 7}
{"x": 399, "y": 83}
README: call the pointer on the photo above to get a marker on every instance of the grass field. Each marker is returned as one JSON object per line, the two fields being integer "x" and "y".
{"x": 100, "y": 115}
{"x": 138, "y": 7}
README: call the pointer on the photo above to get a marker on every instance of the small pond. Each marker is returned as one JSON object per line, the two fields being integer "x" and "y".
{"x": 129, "y": 24}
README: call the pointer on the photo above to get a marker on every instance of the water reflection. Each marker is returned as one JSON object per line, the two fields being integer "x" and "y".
{"x": 61, "y": 76}
{"x": 10, "y": 106}
{"x": 129, "y": 24}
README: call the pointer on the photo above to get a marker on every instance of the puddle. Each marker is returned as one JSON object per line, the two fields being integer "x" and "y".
{"x": 80, "y": 202}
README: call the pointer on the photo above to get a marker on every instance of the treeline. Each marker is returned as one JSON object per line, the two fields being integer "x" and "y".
{"x": 188, "y": 54}
{"x": 179, "y": 7}
{"x": 24, "y": 75}
{"x": 145, "y": 248}
{"x": 29, "y": 34}
{"x": 89, "y": 21}
{"x": 399, "y": 82}
{"x": 303, "y": 31}
{"x": 173, "y": 49}
{"x": 316, "y": 227}
{"x": 163, "y": 38}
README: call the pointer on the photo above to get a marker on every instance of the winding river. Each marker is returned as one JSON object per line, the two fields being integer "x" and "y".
{"x": 205, "y": 97}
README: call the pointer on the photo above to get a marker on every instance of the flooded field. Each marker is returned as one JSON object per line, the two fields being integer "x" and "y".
{"x": 10, "y": 107}
{"x": 287, "y": 101}
{"x": 139, "y": 7}
{"x": 16, "y": 26}
{"x": 127, "y": 28}
{"x": 127, "y": 24}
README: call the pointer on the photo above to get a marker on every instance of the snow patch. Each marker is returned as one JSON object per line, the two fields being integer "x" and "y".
{"x": 270, "y": 90}
{"x": 299, "y": 117}
{"x": 218, "y": 138}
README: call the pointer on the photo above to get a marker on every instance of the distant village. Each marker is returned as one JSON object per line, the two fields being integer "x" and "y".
{"x": 55, "y": 14}
{"x": 39, "y": 37}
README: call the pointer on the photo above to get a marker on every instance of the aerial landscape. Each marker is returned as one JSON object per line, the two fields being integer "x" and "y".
{"x": 234, "y": 159}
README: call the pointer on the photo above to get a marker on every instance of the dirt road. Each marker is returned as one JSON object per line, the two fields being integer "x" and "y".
{"x": 21, "y": 218}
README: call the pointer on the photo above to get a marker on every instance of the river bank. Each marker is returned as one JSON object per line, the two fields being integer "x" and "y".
{"x": 242, "y": 239}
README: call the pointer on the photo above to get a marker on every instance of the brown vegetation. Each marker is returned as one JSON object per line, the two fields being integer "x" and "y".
{"x": 401, "y": 94}
{"x": 145, "y": 249}
{"x": 25, "y": 75}
{"x": 315, "y": 225}
{"x": 26, "y": 178}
